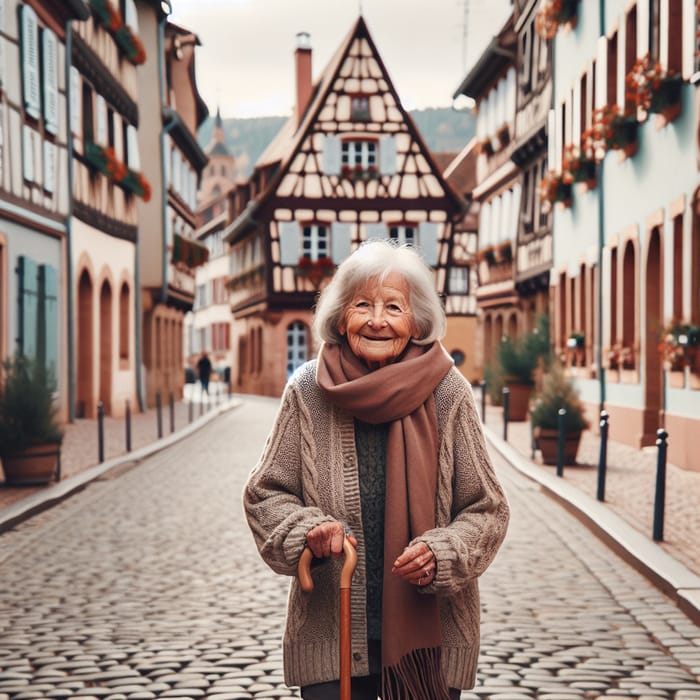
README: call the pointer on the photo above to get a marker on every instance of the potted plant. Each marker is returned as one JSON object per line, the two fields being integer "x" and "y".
{"x": 612, "y": 129}
{"x": 558, "y": 391}
{"x": 556, "y": 187}
{"x": 555, "y": 13}
{"x": 30, "y": 432}
{"x": 519, "y": 362}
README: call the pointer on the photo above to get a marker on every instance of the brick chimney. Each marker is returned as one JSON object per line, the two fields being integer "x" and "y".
{"x": 302, "y": 57}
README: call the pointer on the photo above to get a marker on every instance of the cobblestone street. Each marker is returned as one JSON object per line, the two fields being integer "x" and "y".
{"x": 146, "y": 584}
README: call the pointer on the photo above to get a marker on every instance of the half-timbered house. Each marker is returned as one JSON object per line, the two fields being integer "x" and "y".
{"x": 349, "y": 165}
{"x": 491, "y": 83}
{"x": 34, "y": 176}
{"x": 171, "y": 112}
{"x": 106, "y": 182}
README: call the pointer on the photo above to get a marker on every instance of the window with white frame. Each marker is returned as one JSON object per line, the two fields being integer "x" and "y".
{"x": 315, "y": 242}
{"x": 297, "y": 346}
{"x": 459, "y": 280}
{"x": 359, "y": 153}
{"x": 404, "y": 234}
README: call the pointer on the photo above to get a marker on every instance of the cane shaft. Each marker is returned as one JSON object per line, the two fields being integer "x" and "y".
{"x": 345, "y": 644}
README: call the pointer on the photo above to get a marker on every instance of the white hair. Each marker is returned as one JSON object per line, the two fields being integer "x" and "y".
{"x": 375, "y": 260}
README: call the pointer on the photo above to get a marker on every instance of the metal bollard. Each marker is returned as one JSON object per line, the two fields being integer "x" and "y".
{"x": 201, "y": 403}
{"x": 190, "y": 406}
{"x": 660, "y": 494}
{"x": 127, "y": 419}
{"x": 483, "y": 401}
{"x": 100, "y": 432}
{"x": 506, "y": 412}
{"x": 603, "y": 456}
{"x": 561, "y": 437}
{"x": 171, "y": 406}
{"x": 159, "y": 414}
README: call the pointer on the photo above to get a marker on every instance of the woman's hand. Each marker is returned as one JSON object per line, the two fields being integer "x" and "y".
{"x": 326, "y": 539}
{"x": 416, "y": 565}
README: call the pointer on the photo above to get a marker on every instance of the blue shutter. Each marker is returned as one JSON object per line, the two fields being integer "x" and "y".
{"x": 341, "y": 234}
{"x": 48, "y": 317}
{"x": 428, "y": 242}
{"x": 289, "y": 242}
{"x": 331, "y": 155}
{"x": 28, "y": 305}
{"x": 376, "y": 231}
{"x": 387, "y": 155}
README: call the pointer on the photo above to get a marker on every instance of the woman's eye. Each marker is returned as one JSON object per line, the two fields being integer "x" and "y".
{"x": 361, "y": 305}
{"x": 394, "y": 307}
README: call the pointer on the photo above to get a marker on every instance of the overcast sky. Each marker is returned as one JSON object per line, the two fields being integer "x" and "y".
{"x": 245, "y": 64}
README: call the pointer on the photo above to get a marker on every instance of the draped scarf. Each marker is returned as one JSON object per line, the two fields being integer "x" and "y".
{"x": 400, "y": 394}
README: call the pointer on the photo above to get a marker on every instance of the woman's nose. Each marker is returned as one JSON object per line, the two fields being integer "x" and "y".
{"x": 377, "y": 316}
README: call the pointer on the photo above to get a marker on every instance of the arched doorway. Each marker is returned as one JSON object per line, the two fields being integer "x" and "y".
{"x": 84, "y": 395}
{"x": 653, "y": 368}
{"x": 105, "y": 392}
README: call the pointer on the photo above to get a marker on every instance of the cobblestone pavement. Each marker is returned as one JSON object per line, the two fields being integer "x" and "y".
{"x": 146, "y": 584}
{"x": 630, "y": 485}
{"x": 80, "y": 443}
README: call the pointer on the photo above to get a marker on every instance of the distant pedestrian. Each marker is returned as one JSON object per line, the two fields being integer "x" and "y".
{"x": 380, "y": 436}
{"x": 204, "y": 371}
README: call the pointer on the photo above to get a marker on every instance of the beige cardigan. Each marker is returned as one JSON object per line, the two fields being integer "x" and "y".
{"x": 307, "y": 474}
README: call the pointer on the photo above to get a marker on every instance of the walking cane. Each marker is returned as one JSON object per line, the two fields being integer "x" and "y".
{"x": 307, "y": 585}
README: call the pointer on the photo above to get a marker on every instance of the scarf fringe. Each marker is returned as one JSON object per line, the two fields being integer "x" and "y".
{"x": 417, "y": 676}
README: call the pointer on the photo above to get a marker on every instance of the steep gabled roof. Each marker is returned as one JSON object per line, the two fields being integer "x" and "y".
{"x": 284, "y": 147}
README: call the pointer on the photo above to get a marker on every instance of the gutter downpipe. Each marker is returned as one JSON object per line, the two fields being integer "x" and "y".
{"x": 70, "y": 344}
{"x": 601, "y": 242}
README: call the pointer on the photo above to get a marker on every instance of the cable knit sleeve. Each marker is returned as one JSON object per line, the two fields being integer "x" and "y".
{"x": 475, "y": 510}
{"x": 276, "y": 496}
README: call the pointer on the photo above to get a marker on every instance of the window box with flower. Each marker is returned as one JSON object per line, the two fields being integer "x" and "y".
{"x": 612, "y": 129}
{"x": 110, "y": 18}
{"x": 104, "y": 160}
{"x": 553, "y": 14}
{"x": 488, "y": 255}
{"x": 581, "y": 163}
{"x": 556, "y": 187}
{"x": 505, "y": 252}
{"x": 679, "y": 346}
{"x": 359, "y": 173}
{"x": 503, "y": 135}
{"x": 654, "y": 89}
{"x": 315, "y": 270}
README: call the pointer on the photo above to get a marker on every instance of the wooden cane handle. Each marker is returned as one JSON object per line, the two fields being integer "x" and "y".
{"x": 304, "y": 567}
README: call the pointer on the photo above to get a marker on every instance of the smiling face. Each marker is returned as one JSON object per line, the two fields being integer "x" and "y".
{"x": 378, "y": 322}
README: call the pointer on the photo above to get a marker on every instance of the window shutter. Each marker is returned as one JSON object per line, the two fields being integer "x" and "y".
{"x": 341, "y": 234}
{"x": 376, "y": 231}
{"x": 642, "y": 28}
{"x": 601, "y": 78}
{"x": 428, "y": 241}
{"x": 27, "y": 154}
{"x": 331, "y": 155}
{"x": 76, "y": 100}
{"x": 2, "y": 44}
{"x": 132, "y": 148}
{"x": 48, "y": 317}
{"x": 50, "y": 57}
{"x": 49, "y": 167}
{"x": 130, "y": 16}
{"x": 689, "y": 37}
{"x": 28, "y": 305}
{"x": 515, "y": 206}
{"x": 289, "y": 242}
{"x": 387, "y": 155}
{"x": 101, "y": 115}
{"x": 30, "y": 61}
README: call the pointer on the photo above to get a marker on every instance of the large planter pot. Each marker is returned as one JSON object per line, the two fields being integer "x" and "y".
{"x": 519, "y": 399}
{"x": 548, "y": 442}
{"x": 32, "y": 467}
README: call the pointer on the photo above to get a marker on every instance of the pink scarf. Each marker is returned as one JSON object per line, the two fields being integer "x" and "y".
{"x": 400, "y": 394}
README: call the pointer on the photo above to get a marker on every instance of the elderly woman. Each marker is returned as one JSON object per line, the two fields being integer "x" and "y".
{"x": 379, "y": 437}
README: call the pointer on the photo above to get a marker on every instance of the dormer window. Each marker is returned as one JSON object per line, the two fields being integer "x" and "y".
{"x": 359, "y": 153}
{"x": 359, "y": 108}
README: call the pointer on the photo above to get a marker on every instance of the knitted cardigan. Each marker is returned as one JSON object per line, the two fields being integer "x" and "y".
{"x": 307, "y": 474}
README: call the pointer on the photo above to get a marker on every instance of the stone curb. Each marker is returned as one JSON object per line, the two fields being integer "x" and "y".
{"x": 54, "y": 494}
{"x": 665, "y": 572}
